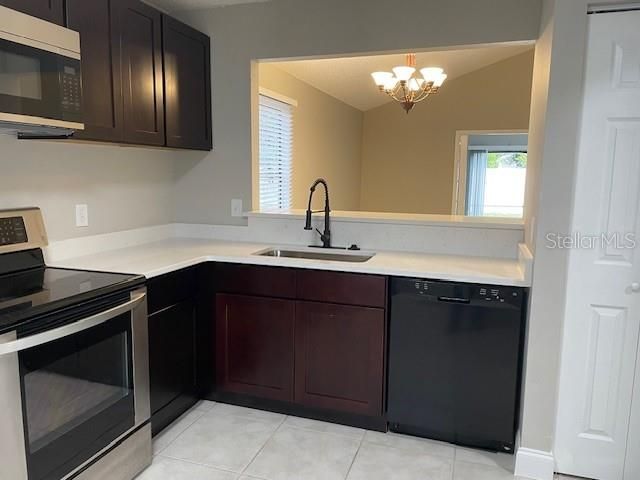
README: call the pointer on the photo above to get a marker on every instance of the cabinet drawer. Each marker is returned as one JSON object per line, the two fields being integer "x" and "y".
{"x": 345, "y": 288}
{"x": 256, "y": 280}
{"x": 169, "y": 289}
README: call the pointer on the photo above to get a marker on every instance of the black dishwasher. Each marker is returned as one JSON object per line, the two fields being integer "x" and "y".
{"x": 455, "y": 362}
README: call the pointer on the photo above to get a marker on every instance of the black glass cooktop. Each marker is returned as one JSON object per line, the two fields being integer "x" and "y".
{"x": 29, "y": 293}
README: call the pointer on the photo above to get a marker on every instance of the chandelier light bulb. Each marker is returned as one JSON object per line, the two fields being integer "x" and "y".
{"x": 431, "y": 74}
{"x": 403, "y": 74}
{"x": 391, "y": 83}
{"x": 414, "y": 85}
{"x": 440, "y": 80}
{"x": 382, "y": 78}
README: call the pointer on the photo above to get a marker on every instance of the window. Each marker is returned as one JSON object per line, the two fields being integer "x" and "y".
{"x": 275, "y": 153}
{"x": 492, "y": 175}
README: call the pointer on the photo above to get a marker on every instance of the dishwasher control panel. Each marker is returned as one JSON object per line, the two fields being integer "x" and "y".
{"x": 459, "y": 292}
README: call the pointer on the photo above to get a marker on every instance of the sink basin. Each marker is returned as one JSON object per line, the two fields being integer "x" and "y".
{"x": 309, "y": 255}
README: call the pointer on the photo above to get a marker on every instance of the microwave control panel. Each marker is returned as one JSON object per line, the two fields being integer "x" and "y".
{"x": 71, "y": 88}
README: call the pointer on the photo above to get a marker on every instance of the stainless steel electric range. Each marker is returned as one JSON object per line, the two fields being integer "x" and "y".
{"x": 74, "y": 368}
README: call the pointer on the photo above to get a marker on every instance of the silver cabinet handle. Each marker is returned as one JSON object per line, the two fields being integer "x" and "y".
{"x": 635, "y": 287}
{"x": 66, "y": 330}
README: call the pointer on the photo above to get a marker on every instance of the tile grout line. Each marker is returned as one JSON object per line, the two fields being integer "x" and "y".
{"x": 453, "y": 464}
{"x": 191, "y": 462}
{"x": 263, "y": 445}
{"x": 356, "y": 455}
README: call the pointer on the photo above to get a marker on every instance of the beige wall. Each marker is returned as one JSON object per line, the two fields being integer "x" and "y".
{"x": 408, "y": 160}
{"x": 303, "y": 28}
{"x": 124, "y": 187}
{"x": 327, "y": 141}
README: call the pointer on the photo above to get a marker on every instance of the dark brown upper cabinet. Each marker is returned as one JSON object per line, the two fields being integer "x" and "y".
{"x": 146, "y": 78}
{"x": 101, "y": 82}
{"x": 49, "y": 10}
{"x": 187, "y": 86}
{"x": 140, "y": 33}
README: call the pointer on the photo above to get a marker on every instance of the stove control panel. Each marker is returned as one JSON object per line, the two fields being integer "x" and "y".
{"x": 21, "y": 229}
{"x": 12, "y": 231}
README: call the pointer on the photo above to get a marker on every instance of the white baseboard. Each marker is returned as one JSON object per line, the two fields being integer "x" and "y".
{"x": 534, "y": 464}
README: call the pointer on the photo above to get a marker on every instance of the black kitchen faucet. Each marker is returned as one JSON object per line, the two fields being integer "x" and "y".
{"x": 326, "y": 236}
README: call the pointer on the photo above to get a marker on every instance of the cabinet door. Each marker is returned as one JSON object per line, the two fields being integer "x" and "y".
{"x": 171, "y": 353}
{"x": 339, "y": 357}
{"x": 49, "y": 10}
{"x": 254, "y": 346}
{"x": 101, "y": 82}
{"x": 187, "y": 81}
{"x": 140, "y": 37}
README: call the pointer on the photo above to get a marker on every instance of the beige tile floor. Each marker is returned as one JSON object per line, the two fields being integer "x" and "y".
{"x": 215, "y": 441}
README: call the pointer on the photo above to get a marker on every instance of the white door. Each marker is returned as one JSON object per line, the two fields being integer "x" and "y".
{"x": 602, "y": 321}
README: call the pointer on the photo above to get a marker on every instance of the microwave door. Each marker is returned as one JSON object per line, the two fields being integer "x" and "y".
{"x": 39, "y": 87}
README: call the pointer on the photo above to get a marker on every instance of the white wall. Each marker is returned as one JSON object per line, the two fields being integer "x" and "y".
{"x": 124, "y": 187}
{"x": 556, "y": 106}
{"x": 301, "y": 28}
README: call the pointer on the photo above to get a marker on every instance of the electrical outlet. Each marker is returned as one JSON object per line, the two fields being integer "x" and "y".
{"x": 82, "y": 215}
{"x": 236, "y": 207}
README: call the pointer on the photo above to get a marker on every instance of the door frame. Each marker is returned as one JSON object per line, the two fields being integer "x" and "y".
{"x": 576, "y": 269}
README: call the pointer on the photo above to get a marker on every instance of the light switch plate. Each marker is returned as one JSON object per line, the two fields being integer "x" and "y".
{"x": 82, "y": 215}
{"x": 236, "y": 207}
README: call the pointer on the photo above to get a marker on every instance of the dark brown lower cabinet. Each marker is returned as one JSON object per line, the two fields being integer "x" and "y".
{"x": 314, "y": 342}
{"x": 254, "y": 346}
{"x": 171, "y": 353}
{"x": 172, "y": 304}
{"x": 49, "y": 10}
{"x": 339, "y": 357}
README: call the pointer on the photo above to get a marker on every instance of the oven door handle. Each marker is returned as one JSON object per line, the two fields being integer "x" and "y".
{"x": 72, "y": 328}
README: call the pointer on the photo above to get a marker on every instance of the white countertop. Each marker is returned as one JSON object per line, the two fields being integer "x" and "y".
{"x": 157, "y": 258}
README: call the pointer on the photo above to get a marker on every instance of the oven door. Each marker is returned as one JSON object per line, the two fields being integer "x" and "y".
{"x": 39, "y": 87}
{"x": 84, "y": 385}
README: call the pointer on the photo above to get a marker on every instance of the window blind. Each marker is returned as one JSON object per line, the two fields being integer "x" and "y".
{"x": 276, "y": 127}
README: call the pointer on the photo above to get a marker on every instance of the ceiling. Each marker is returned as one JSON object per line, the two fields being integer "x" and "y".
{"x": 349, "y": 79}
{"x": 177, "y": 5}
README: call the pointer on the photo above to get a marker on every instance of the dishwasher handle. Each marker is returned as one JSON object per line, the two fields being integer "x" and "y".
{"x": 454, "y": 300}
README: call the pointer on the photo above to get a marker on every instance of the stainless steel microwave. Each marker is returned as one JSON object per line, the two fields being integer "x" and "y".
{"x": 40, "y": 82}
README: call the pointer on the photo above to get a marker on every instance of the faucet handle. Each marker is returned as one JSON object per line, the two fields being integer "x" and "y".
{"x": 307, "y": 225}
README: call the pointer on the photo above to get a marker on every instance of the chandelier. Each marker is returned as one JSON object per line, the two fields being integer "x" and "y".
{"x": 403, "y": 87}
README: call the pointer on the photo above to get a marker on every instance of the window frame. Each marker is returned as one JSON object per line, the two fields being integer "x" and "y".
{"x": 459, "y": 195}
